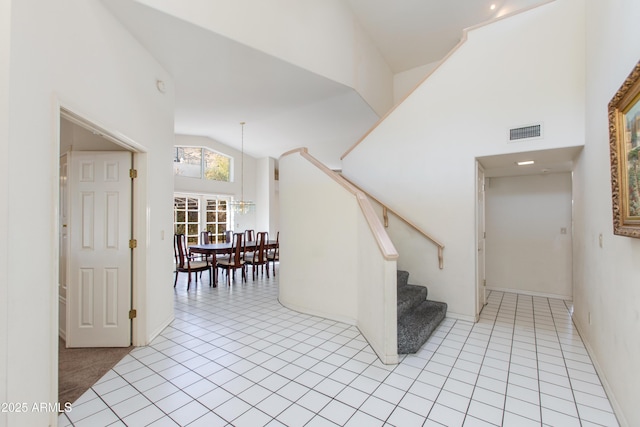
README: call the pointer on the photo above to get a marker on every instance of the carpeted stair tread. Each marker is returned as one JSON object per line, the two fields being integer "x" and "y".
{"x": 417, "y": 316}
{"x": 415, "y": 327}
{"x": 403, "y": 277}
{"x": 410, "y": 296}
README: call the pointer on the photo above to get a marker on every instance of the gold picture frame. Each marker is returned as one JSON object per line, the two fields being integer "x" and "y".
{"x": 624, "y": 146}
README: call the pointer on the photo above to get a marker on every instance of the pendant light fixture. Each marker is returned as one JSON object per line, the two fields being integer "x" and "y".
{"x": 242, "y": 206}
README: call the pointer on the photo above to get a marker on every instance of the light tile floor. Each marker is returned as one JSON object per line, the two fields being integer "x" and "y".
{"x": 235, "y": 356}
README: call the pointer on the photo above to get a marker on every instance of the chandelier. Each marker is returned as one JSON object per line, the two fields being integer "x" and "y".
{"x": 242, "y": 206}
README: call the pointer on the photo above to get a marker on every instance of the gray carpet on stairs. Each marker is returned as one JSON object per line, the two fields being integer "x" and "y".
{"x": 415, "y": 328}
{"x": 417, "y": 316}
{"x": 408, "y": 297}
{"x": 403, "y": 278}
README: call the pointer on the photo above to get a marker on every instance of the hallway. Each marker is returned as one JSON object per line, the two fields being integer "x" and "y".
{"x": 235, "y": 356}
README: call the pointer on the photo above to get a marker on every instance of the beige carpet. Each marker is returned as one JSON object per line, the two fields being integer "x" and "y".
{"x": 80, "y": 368}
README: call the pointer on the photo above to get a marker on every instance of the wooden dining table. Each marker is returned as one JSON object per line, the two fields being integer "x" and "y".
{"x": 225, "y": 248}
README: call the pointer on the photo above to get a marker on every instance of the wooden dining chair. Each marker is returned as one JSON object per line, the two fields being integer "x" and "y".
{"x": 249, "y": 237}
{"x": 185, "y": 262}
{"x": 205, "y": 239}
{"x": 258, "y": 257}
{"x": 273, "y": 255}
{"x": 234, "y": 259}
{"x": 228, "y": 238}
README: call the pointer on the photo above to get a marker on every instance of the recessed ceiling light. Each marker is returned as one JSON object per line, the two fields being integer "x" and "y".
{"x": 493, "y": 6}
{"x": 524, "y": 163}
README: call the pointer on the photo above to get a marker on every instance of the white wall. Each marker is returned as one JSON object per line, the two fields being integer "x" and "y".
{"x": 73, "y": 52}
{"x": 406, "y": 81}
{"x": 267, "y": 209}
{"x": 263, "y": 185}
{"x": 274, "y": 219}
{"x": 421, "y": 159}
{"x": 5, "y": 40}
{"x": 331, "y": 264}
{"x": 377, "y": 295}
{"x": 606, "y": 281}
{"x": 318, "y": 242}
{"x": 321, "y": 36}
{"x": 526, "y": 250}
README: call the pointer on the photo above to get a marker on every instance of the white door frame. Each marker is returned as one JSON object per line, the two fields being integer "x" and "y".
{"x": 140, "y": 224}
{"x": 480, "y": 240}
{"x": 140, "y": 218}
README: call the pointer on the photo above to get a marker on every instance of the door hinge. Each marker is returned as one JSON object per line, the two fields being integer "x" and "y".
{"x": 133, "y": 314}
{"x": 484, "y": 282}
{"x": 133, "y": 173}
{"x": 133, "y": 243}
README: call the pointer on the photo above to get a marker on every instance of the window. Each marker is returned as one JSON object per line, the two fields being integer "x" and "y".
{"x": 203, "y": 163}
{"x": 186, "y": 218}
{"x": 217, "y": 167}
{"x": 188, "y": 162}
{"x": 195, "y": 213}
{"x": 216, "y": 218}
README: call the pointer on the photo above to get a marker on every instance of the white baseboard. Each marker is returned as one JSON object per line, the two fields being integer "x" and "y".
{"x": 531, "y": 293}
{"x": 459, "y": 316}
{"x": 330, "y": 316}
{"x": 387, "y": 359}
{"x": 161, "y": 328}
{"x": 617, "y": 409}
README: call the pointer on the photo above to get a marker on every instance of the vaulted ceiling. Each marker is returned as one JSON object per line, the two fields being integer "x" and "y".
{"x": 220, "y": 82}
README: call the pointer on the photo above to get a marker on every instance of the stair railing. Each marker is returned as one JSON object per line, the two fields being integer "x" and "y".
{"x": 382, "y": 239}
{"x": 385, "y": 215}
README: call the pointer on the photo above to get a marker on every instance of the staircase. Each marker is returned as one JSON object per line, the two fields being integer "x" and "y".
{"x": 417, "y": 316}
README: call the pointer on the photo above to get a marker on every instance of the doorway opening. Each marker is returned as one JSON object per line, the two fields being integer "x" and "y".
{"x": 96, "y": 259}
{"x": 526, "y": 211}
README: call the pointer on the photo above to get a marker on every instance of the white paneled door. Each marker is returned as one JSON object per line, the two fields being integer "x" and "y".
{"x": 99, "y": 293}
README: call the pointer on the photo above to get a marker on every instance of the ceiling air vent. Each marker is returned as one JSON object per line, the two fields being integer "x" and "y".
{"x": 525, "y": 132}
